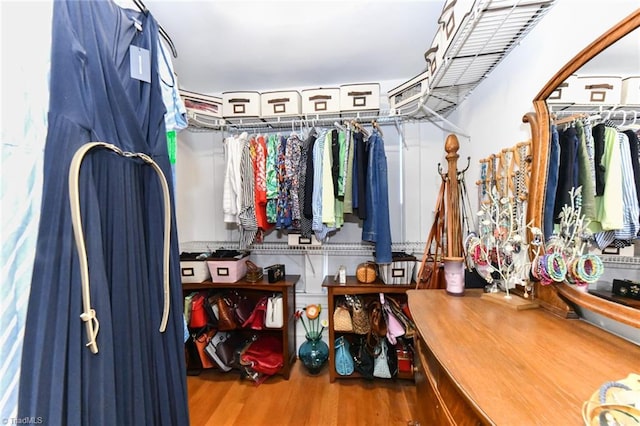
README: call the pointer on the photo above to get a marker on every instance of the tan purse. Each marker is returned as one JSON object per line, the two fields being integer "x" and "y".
{"x": 366, "y": 272}
{"x": 342, "y": 320}
{"x": 360, "y": 319}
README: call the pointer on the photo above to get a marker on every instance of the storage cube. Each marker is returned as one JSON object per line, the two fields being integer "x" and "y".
{"x": 630, "y": 91}
{"x": 435, "y": 55}
{"x": 399, "y": 272}
{"x": 227, "y": 270}
{"x": 321, "y": 101}
{"x": 454, "y": 13}
{"x": 281, "y": 104}
{"x": 597, "y": 90}
{"x": 298, "y": 240}
{"x": 203, "y": 110}
{"x": 193, "y": 270}
{"x": 360, "y": 97}
{"x": 240, "y": 104}
{"x": 405, "y": 97}
{"x": 566, "y": 92}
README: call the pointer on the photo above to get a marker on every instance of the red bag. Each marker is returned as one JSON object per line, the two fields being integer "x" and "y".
{"x": 257, "y": 317}
{"x": 264, "y": 355}
{"x": 198, "y": 313}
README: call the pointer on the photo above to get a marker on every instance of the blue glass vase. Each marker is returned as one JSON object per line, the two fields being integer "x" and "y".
{"x": 314, "y": 354}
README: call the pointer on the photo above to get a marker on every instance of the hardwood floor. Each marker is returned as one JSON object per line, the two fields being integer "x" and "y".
{"x": 217, "y": 398}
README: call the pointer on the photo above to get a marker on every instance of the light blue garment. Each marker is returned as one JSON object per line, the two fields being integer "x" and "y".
{"x": 176, "y": 115}
{"x": 319, "y": 228}
{"x": 22, "y": 134}
{"x": 376, "y": 227}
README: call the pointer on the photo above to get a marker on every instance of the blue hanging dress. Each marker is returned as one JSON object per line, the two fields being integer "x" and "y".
{"x": 137, "y": 375}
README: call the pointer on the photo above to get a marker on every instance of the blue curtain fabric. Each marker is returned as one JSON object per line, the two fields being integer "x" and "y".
{"x": 138, "y": 375}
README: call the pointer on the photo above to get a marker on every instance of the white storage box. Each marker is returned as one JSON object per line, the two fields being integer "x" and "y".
{"x": 299, "y": 240}
{"x": 435, "y": 55}
{"x": 405, "y": 97}
{"x": 566, "y": 93}
{"x": 360, "y": 97}
{"x": 630, "y": 91}
{"x": 227, "y": 270}
{"x": 192, "y": 269}
{"x": 454, "y": 13}
{"x": 240, "y": 105}
{"x": 400, "y": 272}
{"x": 599, "y": 90}
{"x": 281, "y": 104}
{"x": 321, "y": 101}
{"x": 203, "y": 110}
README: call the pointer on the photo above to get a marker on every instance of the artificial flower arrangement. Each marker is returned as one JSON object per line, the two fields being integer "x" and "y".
{"x": 313, "y": 326}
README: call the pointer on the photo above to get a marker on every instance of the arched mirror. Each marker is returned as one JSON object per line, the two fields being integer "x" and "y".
{"x": 623, "y": 39}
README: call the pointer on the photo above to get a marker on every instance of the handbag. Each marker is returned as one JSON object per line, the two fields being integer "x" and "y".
{"x": 274, "y": 316}
{"x": 202, "y": 339}
{"x": 257, "y": 317}
{"x": 242, "y": 308}
{"x": 342, "y": 319}
{"x": 198, "y": 317}
{"x": 377, "y": 320}
{"x": 223, "y": 349}
{"x": 362, "y": 358}
{"x": 254, "y": 272}
{"x": 226, "y": 317}
{"x": 359, "y": 316}
{"x": 192, "y": 357}
{"x": 344, "y": 360}
{"x": 366, "y": 272}
{"x": 394, "y": 326}
{"x": 264, "y": 355}
{"x": 380, "y": 364}
{"x": 431, "y": 272}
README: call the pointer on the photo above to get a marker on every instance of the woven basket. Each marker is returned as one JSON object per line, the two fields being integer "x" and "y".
{"x": 367, "y": 272}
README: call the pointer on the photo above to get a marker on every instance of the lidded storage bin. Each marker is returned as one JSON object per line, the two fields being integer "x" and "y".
{"x": 359, "y": 97}
{"x": 405, "y": 97}
{"x": 203, "y": 110}
{"x": 630, "y": 91}
{"x": 286, "y": 103}
{"x": 605, "y": 90}
{"x": 321, "y": 101}
{"x": 241, "y": 106}
{"x": 227, "y": 266}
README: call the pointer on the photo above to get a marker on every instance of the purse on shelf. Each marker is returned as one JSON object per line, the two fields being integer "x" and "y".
{"x": 342, "y": 319}
{"x": 202, "y": 339}
{"x": 226, "y": 316}
{"x": 367, "y": 272}
{"x": 198, "y": 317}
{"x": 257, "y": 318}
{"x": 384, "y": 366}
{"x": 362, "y": 358}
{"x": 394, "y": 326}
{"x": 224, "y": 348}
{"x": 274, "y": 317}
{"x": 254, "y": 272}
{"x": 264, "y": 355}
{"x": 359, "y": 316}
{"x": 377, "y": 320}
{"x": 344, "y": 360}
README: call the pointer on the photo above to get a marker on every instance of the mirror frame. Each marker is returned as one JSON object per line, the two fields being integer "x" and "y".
{"x": 559, "y": 298}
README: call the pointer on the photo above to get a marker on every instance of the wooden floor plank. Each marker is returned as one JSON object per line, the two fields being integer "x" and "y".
{"x": 217, "y": 398}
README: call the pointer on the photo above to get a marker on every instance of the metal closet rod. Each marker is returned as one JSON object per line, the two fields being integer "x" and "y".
{"x": 285, "y": 248}
{"x": 309, "y": 121}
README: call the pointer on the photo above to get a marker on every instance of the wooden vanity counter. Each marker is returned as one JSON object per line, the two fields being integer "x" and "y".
{"x": 479, "y": 362}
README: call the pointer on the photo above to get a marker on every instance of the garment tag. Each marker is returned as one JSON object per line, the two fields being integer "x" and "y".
{"x": 140, "y": 63}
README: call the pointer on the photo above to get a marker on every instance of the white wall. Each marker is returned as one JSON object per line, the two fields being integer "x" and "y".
{"x": 492, "y": 114}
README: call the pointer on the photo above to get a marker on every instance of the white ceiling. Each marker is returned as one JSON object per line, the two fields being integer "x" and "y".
{"x": 270, "y": 45}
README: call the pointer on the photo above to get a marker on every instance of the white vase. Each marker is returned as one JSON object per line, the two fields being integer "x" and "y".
{"x": 454, "y": 275}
